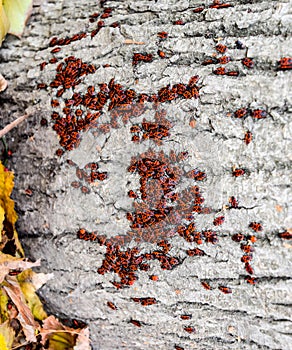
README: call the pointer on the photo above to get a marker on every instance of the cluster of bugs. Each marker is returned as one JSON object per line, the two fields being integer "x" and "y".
{"x": 89, "y": 174}
{"x": 221, "y": 49}
{"x": 155, "y": 131}
{"x": 256, "y": 114}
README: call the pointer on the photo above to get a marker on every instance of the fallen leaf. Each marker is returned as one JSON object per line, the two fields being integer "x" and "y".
{"x": 30, "y": 282}
{"x": 4, "y": 23}
{"x": 24, "y": 316}
{"x": 6, "y": 336}
{"x": 3, "y": 81}
{"x": 17, "y": 12}
{"x": 82, "y": 341}
{"x": 59, "y": 337}
{"x": 8, "y": 263}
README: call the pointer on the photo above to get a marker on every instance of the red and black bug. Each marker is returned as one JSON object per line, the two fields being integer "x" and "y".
{"x": 199, "y": 9}
{"x": 179, "y": 22}
{"x": 225, "y": 290}
{"x": 248, "y": 62}
{"x": 285, "y": 63}
{"x": 247, "y": 137}
{"x": 221, "y": 48}
{"x": 220, "y": 71}
{"x": 251, "y": 280}
{"x": 206, "y": 285}
{"x": 185, "y": 317}
{"x": 256, "y": 226}
{"x": 224, "y": 59}
{"x": 162, "y": 35}
{"x": 241, "y": 113}
{"x": 111, "y": 305}
{"x": 56, "y": 49}
{"x": 236, "y": 172}
{"x": 136, "y": 323}
{"x": 285, "y": 235}
{"x": 233, "y": 202}
{"x": 219, "y": 220}
{"x": 238, "y": 237}
{"x": 161, "y": 54}
{"x": 153, "y": 278}
{"x": 248, "y": 268}
{"x": 233, "y": 73}
{"x": 190, "y": 329}
{"x": 259, "y": 114}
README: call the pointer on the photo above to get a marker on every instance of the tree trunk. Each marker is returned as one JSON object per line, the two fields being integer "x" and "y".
{"x": 252, "y": 316}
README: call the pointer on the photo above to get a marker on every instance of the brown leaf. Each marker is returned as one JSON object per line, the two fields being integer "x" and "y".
{"x": 24, "y": 316}
{"x": 8, "y": 263}
{"x": 59, "y": 337}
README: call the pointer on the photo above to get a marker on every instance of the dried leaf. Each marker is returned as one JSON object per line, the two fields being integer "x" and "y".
{"x": 29, "y": 282}
{"x": 3, "y": 81}
{"x": 24, "y": 316}
{"x": 82, "y": 341}
{"x": 17, "y": 11}
{"x": 8, "y": 263}
{"x": 6, "y": 336}
{"x": 59, "y": 337}
{"x": 4, "y": 23}
{"x": 7, "y": 204}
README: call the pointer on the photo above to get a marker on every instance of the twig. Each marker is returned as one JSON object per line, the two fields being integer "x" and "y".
{"x": 129, "y": 42}
{"x": 12, "y": 125}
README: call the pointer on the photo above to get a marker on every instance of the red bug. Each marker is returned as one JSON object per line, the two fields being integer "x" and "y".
{"x": 162, "y": 35}
{"x": 221, "y": 48}
{"x": 195, "y": 252}
{"x": 56, "y": 49}
{"x": 233, "y": 202}
{"x": 224, "y": 59}
{"x": 210, "y": 61}
{"x": 44, "y": 122}
{"x": 238, "y": 237}
{"x": 136, "y": 323}
{"x": 236, "y": 172}
{"x": 241, "y": 113}
{"x": 218, "y": 5}
{"x": 247, "y": 248}
{"x": 85, "y": 190}
{"x": 248, "y": 62}
{"x": 53, "y": 60}
{"x": 253, "y": 239}
{"x": 42, "y": 65}
{"x": 220, "y": 71}
{"x": 219, "y": 220}
{"x": 225, "y": 290}
{"x": 161, "y": 54}
{"x": 185, "y": 317}
{"x": 199, "y": 9}
{"x": 177, "y": 347}
{"x": 59, "y": 152}
{"x": 285, "y": 63}
{"x": 247, "y": 137}
{"x": 251, "y": 280}
{"x": 233, "y": 73}
{"x": 53, "y": 41}
{"x": 190, "y": 329}
{"x": 285, "y": 235}
{"x": 256, "y": 226}
{"x": 115, "y": 24}
{"x": 41, "y": 86}
{"x": 132, "y": 194}
{"x": 55, "y": 103}
{"x": 249, "y": 269}
{"x": 154, "y": 278}
{"x": 259, "y": 114}
{"x": 246, "y": 258}
{"x": 111, "y": 305}
{"x": 206, "y": 285}
{"x": 179, "y": 22}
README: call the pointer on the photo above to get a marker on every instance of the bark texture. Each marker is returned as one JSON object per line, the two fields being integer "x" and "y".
{"x": 251, "y": 317}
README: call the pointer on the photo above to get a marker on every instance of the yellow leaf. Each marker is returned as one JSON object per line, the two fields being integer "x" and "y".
{"x": 17, "y": 12}
{"x": 4, "y": 23}
{"x": 6, "y": 336}
{"x": 3, "y": 306}
{"x": 7, "y": 204}
{"x": 26, "y": 282}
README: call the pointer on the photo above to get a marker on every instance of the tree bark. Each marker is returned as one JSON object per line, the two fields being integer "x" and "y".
{"x": 252, "y": 316}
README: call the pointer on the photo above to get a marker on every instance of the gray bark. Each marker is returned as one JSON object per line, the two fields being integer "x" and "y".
{"x": 252, "y": 317}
